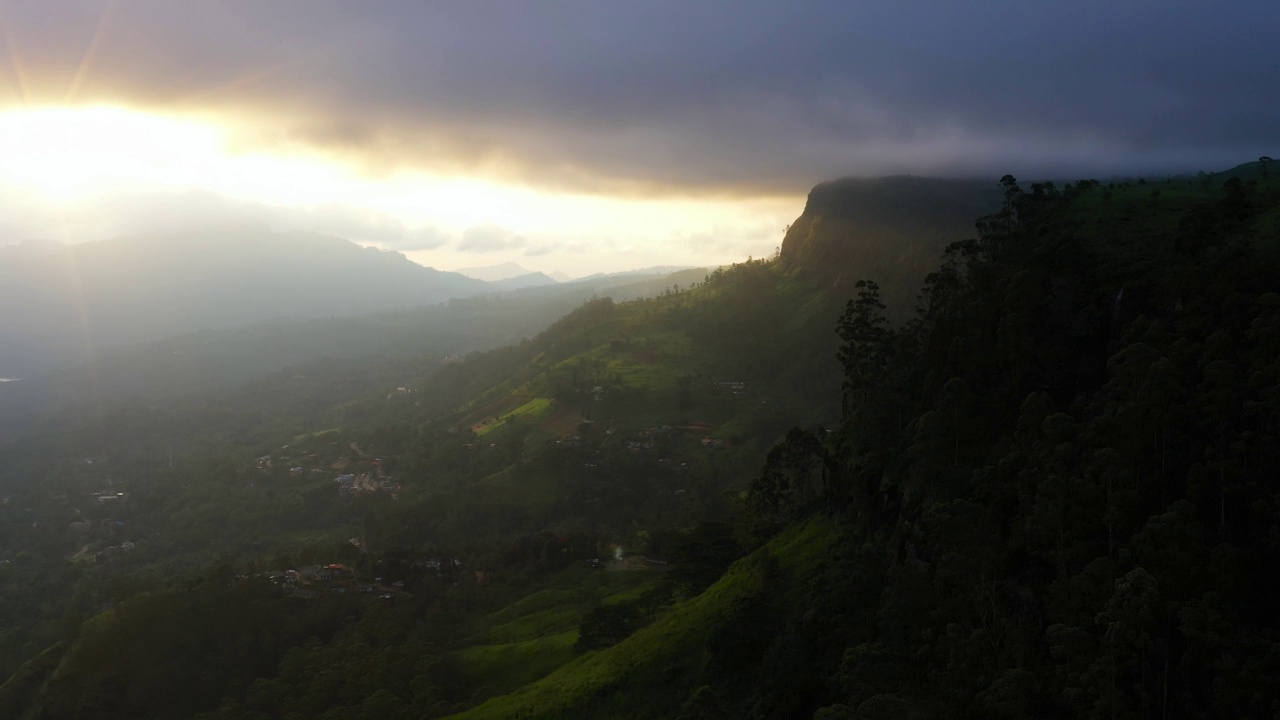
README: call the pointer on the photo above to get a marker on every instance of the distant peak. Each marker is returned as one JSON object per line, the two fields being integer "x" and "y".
{"x": 494, "y": 273}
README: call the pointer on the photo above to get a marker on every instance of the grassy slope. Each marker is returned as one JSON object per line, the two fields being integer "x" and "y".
{"x": 650, "y": 673}
{"x": 535, "y": 635}
{"x": 25, "y": 684}
{"x": 641, "y": 355}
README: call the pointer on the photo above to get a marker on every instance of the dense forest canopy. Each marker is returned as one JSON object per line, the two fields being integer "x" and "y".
{"x": 1060, "y": 475}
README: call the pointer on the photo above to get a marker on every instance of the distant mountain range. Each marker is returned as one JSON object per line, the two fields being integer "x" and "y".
{"x": 62, "y": 304}
{"x": 520, "y": 282}
{"x": 513, "y": 276}
{"x": 495, "y": 273}
{"x": 65, "y": 303}
{"x": 654, "y": 270}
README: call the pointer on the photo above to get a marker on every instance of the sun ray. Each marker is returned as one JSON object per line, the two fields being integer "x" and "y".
{"x": 91, "y": 52}
{"x": 15, "y": 59}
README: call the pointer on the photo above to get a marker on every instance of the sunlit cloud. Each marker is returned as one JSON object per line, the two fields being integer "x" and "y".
{"x": 490, "y": 238}
{"x": 426, "y": 238}
{"x": 85, "y": 173}
{"x": 634, "y": 131}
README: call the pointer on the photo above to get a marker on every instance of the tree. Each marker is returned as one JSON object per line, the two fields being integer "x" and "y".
{"x": 864, "y": 330}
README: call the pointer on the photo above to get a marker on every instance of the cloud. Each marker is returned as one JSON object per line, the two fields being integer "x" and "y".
{"x": 359, "y": 225}
{"x": 425, "y": 238}
{"x": 719, "y": 96}
{"x": 489, "y": 238}
{"x": 760, "y": 239}
{"x": 197, "y": 211}
{"x": 536, "y": 250}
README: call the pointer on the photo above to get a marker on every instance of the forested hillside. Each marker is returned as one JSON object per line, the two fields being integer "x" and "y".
{"x": 1053, "y": 492}
{"x": 1048, "y": 493}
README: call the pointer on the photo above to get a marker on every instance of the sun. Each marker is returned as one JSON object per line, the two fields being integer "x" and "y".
{"x": 71, "y": 163}
{"x": 69, "y": 153}
{"x": 63, "y": 154}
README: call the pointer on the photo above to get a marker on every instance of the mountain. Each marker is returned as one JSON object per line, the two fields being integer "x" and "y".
{"x": 220, "y": 359}
{"x": 528, "y": 280}
{"x": 61, "y": 304}
{"x": 892, "y": 229}
{"x": 1050, "y": 492}
{"x": 648, "y": 271}
{"x": 494, "y": 273}
{"x": 559, "y": 276}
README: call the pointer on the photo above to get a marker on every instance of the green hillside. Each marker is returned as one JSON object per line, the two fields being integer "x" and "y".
{"x": 652, "y": 672}
{"x": 972, "y": 580}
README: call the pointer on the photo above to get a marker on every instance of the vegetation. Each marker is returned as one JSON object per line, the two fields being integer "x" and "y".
{"x": 1048, "y": 493}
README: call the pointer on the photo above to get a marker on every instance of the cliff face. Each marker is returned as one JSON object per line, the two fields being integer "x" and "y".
{"x": 891, "y": 230}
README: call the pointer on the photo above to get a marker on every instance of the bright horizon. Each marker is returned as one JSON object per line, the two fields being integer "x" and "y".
{"x": 67, "y": 163}
{"x": 628, "y": 136}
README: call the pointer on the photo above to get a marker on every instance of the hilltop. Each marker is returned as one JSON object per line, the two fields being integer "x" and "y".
{"x": 893, "y": 229}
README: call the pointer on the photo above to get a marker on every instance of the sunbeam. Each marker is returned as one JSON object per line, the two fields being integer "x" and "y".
{"x": 91, "y": 52}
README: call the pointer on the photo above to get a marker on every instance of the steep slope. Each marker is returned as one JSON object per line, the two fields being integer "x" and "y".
{"x": 651, "y": 673}
{"x": 892, "y": 229}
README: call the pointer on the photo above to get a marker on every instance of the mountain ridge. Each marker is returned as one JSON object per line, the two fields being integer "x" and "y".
{"x": 495, "y": 273}
{"x": 63, "y": 303}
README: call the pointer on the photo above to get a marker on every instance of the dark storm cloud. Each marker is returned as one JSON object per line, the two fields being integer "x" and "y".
{"x": 716, "y": 95}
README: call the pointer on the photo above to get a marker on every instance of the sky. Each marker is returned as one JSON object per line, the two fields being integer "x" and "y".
{"x": 593, "y": 135}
